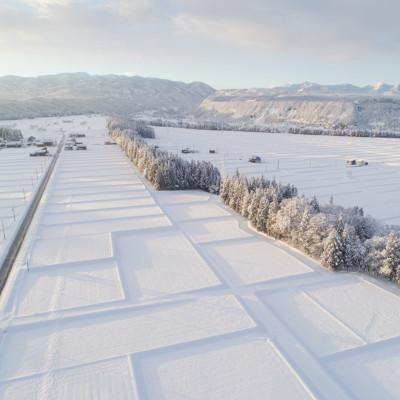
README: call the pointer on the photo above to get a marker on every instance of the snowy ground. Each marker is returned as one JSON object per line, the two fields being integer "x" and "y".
{"x": 21, "y": 174}
{"x": 19, "y": 177}
{"x": 136, "y": 294}
{"x": 315, "y": 164}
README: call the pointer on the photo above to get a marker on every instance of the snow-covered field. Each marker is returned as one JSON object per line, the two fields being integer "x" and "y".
{"x": 19, "y": 177}
{"x": 315, "y": 164}
{"x": 20, "y": 173}
{"x": 137, "y": 294}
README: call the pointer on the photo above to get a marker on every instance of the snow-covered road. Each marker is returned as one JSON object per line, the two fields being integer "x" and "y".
{"x": 137, "y": 294}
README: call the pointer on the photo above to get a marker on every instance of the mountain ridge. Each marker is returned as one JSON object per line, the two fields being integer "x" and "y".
{"x": 71, "y": 93}
{"x": 308, "y": 105}
{"x": 343, "y": 106}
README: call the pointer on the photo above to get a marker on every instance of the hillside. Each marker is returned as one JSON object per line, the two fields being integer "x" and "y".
{"x": 374, "y": 107}
{"x": 82, "y": 93}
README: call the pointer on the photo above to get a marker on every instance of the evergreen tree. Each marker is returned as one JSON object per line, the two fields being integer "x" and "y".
{"x": 254, "y": 206}
{"x": 302, "y": 237}
{"x": 273, "y": 210}
{"x": 244, "y": 211}
{"x": 391, "y": 254}
{"x": 315, "y": 205}
{"x": 225, "y": 188}
{"x": 262, "y": 215}
{"x": 355, "y": 252}
{"x": 333, "y": 256}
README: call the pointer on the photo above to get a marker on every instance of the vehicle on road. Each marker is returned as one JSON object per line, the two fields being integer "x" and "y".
{"x": 255, "y": 159}
{"x": 42, "y": 152}
{"x": 356, "y": 163}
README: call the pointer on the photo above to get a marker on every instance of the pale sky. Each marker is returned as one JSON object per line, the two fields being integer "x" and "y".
{"x": 226, "y": 43}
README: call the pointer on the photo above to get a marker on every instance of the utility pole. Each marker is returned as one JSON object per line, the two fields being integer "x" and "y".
{"x": 4, "y": 230}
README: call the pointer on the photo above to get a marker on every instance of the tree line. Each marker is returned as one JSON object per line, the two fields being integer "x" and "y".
{"x": 131, "y": 127}
{"x": 164, "y": 170}
{"x": 338, "y": 130}
{"x": 342, "y": 131}
{"x": 7, "y": 133}
{"x": 342, "y": 239}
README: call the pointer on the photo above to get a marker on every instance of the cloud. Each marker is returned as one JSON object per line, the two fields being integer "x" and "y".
{"x": 332, "y": 29}
{"x": 72, "y": 22}
{"x": 340, "y": 29}
{"x": 183, "y": 35}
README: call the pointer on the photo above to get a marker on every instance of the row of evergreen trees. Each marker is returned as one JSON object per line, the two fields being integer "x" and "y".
{"x": 7, "y": 133}
{"x": 340, "y": 238}
{"x": 339, "y": 130}
{"x": 214, "y": 125}
{"x": 164, "y": 170}
{"x": 343, "y": 131}
{"x": 131, "y": 127}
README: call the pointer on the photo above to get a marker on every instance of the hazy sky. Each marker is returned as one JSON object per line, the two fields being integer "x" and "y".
{"x": 226, "y": 43}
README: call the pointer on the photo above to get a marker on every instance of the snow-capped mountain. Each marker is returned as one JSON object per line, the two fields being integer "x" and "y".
{"x": 80, "y": 93}
{"x": 315, "y": 89}
{"x": 369, "y": 107}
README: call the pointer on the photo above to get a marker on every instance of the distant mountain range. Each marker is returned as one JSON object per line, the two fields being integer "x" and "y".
{"x": 81, "y": 93}
{"x": 315, "y": 90}
{"x": 373, "y": 107}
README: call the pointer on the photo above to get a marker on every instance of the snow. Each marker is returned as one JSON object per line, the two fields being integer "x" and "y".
{"x": 99, "y": 205}
{"x": 69, "y": 93}
{"x": 315, "y": 164}
{"x": 152, "y": 263}
{"x": 229, "y": 370}
{"x": 364, "y": 298}
{"x": 93, "y": 215}
{"x": 132, "y": 293}
{"x": 184, "y": 212}
{"x": 214, "y": 230}
{"x": 50, "y": 251}
{"x": 312, "y": 324}
{"x": 245, "y": 262}
{"x": 100, "y": 381}
{"x": 48, "y": 346}
{"x": 307, "y": 105}
{"x": 20, "y": 176}
{"x": 370, "y": 374}
{"x": 59, "y": 288}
